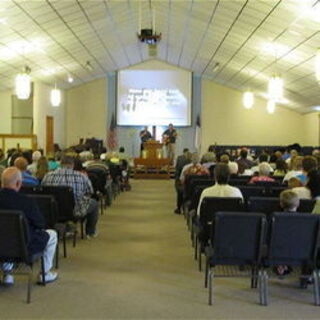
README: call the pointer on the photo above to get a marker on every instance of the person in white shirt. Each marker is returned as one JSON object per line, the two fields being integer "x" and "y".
{"x": 32, "y": 168}
{"x": 296, "y": 169}
{"x": 312, "y": 189}
{"x": 221, "y": 188}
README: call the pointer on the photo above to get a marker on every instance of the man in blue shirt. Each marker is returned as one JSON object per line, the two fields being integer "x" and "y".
{"x": 27, "y": 179}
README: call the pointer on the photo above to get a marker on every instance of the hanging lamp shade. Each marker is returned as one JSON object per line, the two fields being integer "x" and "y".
{"x": 275, "y": 88}
{"x": 271, "y": 106}
{"x": 55, "y": 97}
{"x": 23, "y": 86}
{"x": 248, "y": 99}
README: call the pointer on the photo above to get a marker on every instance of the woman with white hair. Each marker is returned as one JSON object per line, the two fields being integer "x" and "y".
{"x": 32, "y": 168}
{"x": 264, "y": 172}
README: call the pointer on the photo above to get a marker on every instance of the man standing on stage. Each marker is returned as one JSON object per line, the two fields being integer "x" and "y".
{"x": 169, "y": 139}
{"x": 145, "y": 135}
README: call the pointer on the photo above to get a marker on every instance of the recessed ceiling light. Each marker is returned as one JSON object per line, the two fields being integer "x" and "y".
{"x": 316, "y": 108}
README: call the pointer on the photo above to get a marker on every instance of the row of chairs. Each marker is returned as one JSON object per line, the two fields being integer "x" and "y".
{"x": 242, "y": 239}
{"x": 200, "y": 225}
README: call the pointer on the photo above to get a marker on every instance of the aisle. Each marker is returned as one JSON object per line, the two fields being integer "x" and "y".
{"x": 141, "y": 267}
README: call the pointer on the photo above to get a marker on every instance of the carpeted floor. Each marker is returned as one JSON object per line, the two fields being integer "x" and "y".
{"x": 141, "y": 267}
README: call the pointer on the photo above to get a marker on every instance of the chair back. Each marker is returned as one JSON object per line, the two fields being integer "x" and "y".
{"x": 306, "y": 205}
{"x": 238, "y": 182}
{"x": 48, "y": 207}
{"x": 211, "y": 205}
{"x": 251, "y": 191}
{"x": 195, "y": 197}
{"x": 14, "y": 237}
{"x": 274, "y": 191}
{"x": 199, "y": 182}
{"x": 188, "y": 183}
{"x": 267, "y": 183}
{"x": 98, "y": 178}
{"x": 293, "y": 239}
{"x": 264, "y": 204}
{"x": 238, "y": 238}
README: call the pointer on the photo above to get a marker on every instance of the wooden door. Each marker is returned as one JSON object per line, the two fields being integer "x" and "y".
{"x": 49, "y": 135}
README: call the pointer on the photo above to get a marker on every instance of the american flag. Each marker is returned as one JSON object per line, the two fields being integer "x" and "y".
{"x": 112, "y": 141}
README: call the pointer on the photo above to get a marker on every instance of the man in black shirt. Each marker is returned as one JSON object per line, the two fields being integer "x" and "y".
{"x": 145, "y": 135}
{"x": 169, "y": 139}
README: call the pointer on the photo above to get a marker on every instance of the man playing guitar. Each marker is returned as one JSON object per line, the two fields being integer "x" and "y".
{"x": 169, "y": 139}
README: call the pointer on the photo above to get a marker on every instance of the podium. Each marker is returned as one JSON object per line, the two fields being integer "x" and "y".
{"x": 152, "y": 150}
{"x": 151, "y": 164}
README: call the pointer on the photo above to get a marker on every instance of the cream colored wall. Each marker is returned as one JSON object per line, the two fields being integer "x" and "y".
{"x": 226, "y": 121}
{"x": 86, "y": 113}
{"x": 41, "y": 109}
{"x": 311, "y": 129}
{"x": 5, "y": 112}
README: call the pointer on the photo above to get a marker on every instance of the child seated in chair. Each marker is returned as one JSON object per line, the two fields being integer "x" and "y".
{"x": 289, "y": 202}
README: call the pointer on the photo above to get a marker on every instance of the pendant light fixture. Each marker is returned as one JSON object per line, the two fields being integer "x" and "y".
{"x": 55, "y": 97}
{"x": 23, "y": 84}
{"x": 271, "y": 106}
{"x": 248, "y": 99}
{"x": 275, "y": 88}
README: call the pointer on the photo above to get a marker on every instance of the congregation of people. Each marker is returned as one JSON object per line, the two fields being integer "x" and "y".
{"x": 95, "y": 178}
{"x": 218, "y": 174}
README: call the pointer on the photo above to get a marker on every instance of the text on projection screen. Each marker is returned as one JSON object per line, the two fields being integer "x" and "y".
{"x": 154, "y": 97}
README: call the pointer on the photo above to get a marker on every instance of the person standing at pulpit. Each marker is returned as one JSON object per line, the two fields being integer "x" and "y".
{"x": 145, "y": 136}
{"x": 169, "y": 139}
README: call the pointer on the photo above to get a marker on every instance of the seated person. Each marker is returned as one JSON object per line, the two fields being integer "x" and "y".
{"x": 309, "y": 163}
{"x": 40, "y": 239}
{"x": 32, "y": 168}
{"x": 281, "y": 168}
{"x": 296, "y": 169}
{"x": 262, "y": 158}
{"x": 312, "y": 188}
{"x": 264, "y": 171}
{"x": 221, "y": 188}
{"x": 27, "y": 179}
{"x": 85, "y": 206}
{"x": 289, "y": 202}
{"x": 194, "y": 168}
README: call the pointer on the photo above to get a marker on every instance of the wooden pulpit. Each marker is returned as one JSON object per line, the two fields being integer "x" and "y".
{"x": 152, "y": 164}
{"x": 152, "y": 150}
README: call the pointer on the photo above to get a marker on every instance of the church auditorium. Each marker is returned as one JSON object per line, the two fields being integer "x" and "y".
{"x": 159, "y": 159}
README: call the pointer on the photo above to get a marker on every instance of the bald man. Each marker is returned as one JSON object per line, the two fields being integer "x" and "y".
{"x": 27, "y": 179}
{"x": 40, "y": 239}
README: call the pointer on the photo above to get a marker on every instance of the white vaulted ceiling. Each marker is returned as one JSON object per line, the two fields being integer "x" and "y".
{"x": 56, "y": 38}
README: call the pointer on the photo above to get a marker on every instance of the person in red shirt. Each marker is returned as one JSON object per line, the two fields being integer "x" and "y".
{"x": 264, "y": 171}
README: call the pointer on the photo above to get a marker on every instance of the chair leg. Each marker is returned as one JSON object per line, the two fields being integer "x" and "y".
{"x": 196, "y": 248}
{"x": 266, "y": 293}
{"x": 75, "y": 238}
{"x": 199, "y": 258}
{"x": 57, "y": 255}
{"x": 206, "y": 274}
{"x": 210, "y": 286}
{"x": 64, "y": 239}
{"x": 82, "y": 228}
{"x": 254, "y": 275}
{"x": 316, "y": 287}
{"x": 43, "y": 272}
{"x": 101, "y": 205}
{"x": 29, "y": 285}
{"x": 261, "y": 287}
